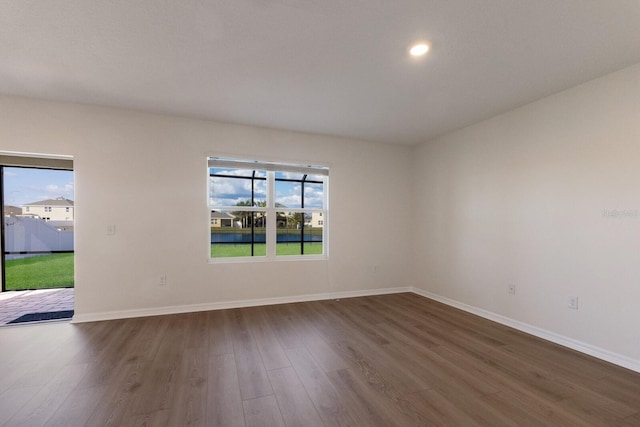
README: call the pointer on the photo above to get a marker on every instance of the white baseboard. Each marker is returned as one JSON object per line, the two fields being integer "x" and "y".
{"x": 124, "y": 314}
{"x": 582, "y": 347}
{"x": 600, "y": 353}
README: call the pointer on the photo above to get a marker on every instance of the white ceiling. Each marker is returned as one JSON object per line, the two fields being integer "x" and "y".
{"x": 336, "y": 67}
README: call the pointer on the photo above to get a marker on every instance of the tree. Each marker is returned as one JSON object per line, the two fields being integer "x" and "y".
{"x": 297, "y": 219}
{"x": 243, "y": 216}
{"x": 246, "y": 217}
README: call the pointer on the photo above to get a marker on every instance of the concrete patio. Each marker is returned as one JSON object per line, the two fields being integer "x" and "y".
{"x": 14, "y": 304}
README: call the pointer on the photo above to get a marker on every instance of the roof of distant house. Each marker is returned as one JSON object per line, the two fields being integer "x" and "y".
{"x": 221, "y": 215}
{"x": 12, "y": 210}
{"x": 58, "y": 201}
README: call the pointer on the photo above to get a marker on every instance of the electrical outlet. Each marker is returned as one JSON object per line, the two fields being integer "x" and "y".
{"x": 572, "y": 303}
{"x": 111, "y": 229}
{"x": 512, "y": 289}
{"x": 163, "y": 279}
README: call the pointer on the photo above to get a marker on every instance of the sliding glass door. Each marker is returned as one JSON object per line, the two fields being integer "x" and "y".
{"x": 37, "y": 229}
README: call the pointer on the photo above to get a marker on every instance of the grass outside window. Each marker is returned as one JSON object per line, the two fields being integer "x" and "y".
{"x": 240, "y": 250}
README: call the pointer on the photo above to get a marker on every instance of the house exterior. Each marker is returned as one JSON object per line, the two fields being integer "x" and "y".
{"x": 9, "y": 210}
{"x": 317, "y": 220}
{"x": 58, "y": 209}
{"x": 219, "y": 219}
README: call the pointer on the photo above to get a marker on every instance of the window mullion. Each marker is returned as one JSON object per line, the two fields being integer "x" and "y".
{"x": 253, "y": 215}
{"x": 272, "y": 233}
{"x": 325, "y": 219}
{"x": 303, "y": 214}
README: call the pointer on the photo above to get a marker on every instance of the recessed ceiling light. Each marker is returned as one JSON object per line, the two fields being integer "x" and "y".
{"x": 419, "y": 49}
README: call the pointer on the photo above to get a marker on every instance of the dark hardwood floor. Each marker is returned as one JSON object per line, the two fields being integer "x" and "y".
{"x": 393, "y": 360}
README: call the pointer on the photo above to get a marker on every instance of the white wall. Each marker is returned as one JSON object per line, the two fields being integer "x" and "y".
{"x": 147, "y": 174}
{"x": 519, "y": 199}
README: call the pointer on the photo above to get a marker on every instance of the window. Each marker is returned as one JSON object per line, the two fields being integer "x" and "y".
{"x": 268, "y": 210}
{"x": 66, "y": 209}
{"x": 47, "y": 208}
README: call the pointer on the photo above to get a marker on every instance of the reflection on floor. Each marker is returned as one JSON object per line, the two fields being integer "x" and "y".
{"x": 14, "y": 304}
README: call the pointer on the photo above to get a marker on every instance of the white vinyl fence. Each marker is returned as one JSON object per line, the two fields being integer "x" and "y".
{"x": 34, "y": 236}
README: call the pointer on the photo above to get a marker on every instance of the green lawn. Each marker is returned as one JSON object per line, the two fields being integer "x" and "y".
{"x": 227, "y": 251}
{"x": 40, "y": 272}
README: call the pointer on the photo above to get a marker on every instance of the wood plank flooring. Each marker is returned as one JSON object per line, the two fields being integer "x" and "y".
{"x": 392, "y": 360}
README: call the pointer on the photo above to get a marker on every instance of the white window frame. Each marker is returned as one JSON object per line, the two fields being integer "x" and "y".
{"x": 271, "y": 228}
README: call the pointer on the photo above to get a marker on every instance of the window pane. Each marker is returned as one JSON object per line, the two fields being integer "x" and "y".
{"x": 288, "y": 194}
{"x": 313, "y": 196}
{"x": 292, "y": 222}
{"x": 238, "y": 172}
{"x": 312, "y": 234}
{"x": 232, "y": 187}
{"x": 296, "y": 235}
{"x": 232, "y": 235}
{"x": 290, "y": 186}
{"x": 288, "y": 235}
{"x": 313, "y": 248}
{"x": 289, "y": 248}
{"x": 316, "y": 178}
{"x": 223, "y": 219}
{"x": 231, "y": 251}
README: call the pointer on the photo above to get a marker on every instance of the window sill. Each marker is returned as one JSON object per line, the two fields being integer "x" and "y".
{"x": 284, "y": 258}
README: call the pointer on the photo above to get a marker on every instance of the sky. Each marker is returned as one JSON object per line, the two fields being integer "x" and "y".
{"x": 230, "y": 191}
{"x": 28, "y": 185}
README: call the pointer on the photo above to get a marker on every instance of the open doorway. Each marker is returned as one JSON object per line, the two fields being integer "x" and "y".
{"x": 38, "y": 211}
